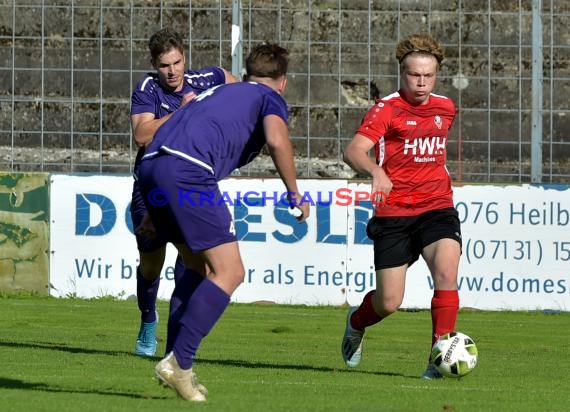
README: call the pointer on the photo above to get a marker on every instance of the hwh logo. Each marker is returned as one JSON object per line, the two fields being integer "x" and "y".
{"x": 426, "y": 145}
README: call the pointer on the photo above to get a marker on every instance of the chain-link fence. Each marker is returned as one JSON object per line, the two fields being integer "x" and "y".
{"x": 68, "y": 67}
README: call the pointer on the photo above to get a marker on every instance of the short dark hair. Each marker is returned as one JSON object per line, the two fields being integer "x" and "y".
{"x": 164, "y": 40}
{"x": 267, "y": 60}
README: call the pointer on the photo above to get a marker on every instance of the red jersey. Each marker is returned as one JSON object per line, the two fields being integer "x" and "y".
{"x": 410, "y": 145}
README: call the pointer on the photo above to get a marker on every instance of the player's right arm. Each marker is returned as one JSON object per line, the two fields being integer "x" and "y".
{"x": 375, "y": 125}
{"x": 145, "y": 125}
{"x": 356, "y": 155}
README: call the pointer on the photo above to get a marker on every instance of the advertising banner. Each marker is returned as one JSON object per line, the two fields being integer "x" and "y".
{"x": 516, "y": 247}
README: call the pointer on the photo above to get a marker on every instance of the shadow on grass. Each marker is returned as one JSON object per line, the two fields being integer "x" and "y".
{"x": 221, "y": 362}
{"x": 72, "y": 349}
{"x": 298, "y": 367}
{"x": 7, "y": 383}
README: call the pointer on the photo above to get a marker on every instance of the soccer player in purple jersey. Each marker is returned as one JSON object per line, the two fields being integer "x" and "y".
{"x": 154, "y": 99}
{"x": 219, "y": 131}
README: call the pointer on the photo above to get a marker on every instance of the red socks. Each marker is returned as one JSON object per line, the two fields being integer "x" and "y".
{"x": 444, "y": 307}
{"x": 365, "y": 315}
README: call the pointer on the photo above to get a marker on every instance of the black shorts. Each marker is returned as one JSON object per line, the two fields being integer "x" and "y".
{"x": 400, "y": 240}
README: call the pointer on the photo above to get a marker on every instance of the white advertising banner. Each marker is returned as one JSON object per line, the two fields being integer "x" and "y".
{"x": 93, "y": 249}
{"x": 516, "y": 246}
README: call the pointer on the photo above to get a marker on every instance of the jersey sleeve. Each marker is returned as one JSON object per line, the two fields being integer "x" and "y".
{"x": 453, "y": 111}
{"x": 143, "y": 99}
{"x": 376, "y": 121}
{"x": 205, "y": 78}
{"x": 273, "y": 103}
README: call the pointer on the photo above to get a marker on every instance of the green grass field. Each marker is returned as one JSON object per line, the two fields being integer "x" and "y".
{"x": 76, "y": 355}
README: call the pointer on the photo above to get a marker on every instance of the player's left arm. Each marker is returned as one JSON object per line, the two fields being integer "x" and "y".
{"x": 145, "y": 125}
{"x": 230, "y": 78}
{"x": 281, "y": 150}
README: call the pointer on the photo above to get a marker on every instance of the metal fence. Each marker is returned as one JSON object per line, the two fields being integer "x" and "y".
{"x": 68, "y": 67}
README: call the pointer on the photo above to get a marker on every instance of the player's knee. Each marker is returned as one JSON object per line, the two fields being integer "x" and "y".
{"x": 240, "y": 276}
{"x": 387, "y": 305}
{"x": 228, "y": 281}
{"x": 391, "y": 306}
{"x": 150, "y": 272}
{"x": 237, "y": 278}
{"x": 446, "y": 280}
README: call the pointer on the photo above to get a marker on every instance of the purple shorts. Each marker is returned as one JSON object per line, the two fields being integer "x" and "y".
{"x": 138, "y": 210}
{"x": 185, "y": 203}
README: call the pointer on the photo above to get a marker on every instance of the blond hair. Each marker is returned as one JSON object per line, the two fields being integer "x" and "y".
{"x": 419, "y": 43}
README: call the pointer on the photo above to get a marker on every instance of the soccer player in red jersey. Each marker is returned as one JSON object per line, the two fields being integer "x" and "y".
{"x": 414, "y": 212}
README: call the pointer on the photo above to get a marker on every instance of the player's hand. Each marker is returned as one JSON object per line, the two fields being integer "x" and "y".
{"x": 381, "y": 187}
{"x": 302, "y": 208}
{"x": 305, "y": 211}
{"x": 187, "y": 98}
{"x": 146, "y": 228}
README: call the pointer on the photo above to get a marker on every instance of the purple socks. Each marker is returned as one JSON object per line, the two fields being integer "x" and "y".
{"x": 185, "y": 286}
{"x": 146, "y": 296}
{"x": 199, "y": 315}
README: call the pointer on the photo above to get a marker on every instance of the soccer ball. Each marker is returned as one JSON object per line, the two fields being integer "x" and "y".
{"x": 454, "y": 354}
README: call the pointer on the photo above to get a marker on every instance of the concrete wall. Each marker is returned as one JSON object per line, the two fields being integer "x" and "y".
{"x": 75, "y": 68}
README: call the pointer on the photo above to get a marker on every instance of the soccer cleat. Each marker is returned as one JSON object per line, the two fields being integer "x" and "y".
{"x": 351, "y": 347}
{"x": 146, "y": 340}
{"x": 431, "y": 373}
{"x": 183, "y": 381}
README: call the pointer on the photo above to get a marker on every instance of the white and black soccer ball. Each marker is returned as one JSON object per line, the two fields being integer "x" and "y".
{"x": 454, "y": 354}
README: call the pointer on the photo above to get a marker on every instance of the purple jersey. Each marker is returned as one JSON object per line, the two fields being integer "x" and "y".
{"x": 221, "y": 129}
{"x": 150, "y": 97}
